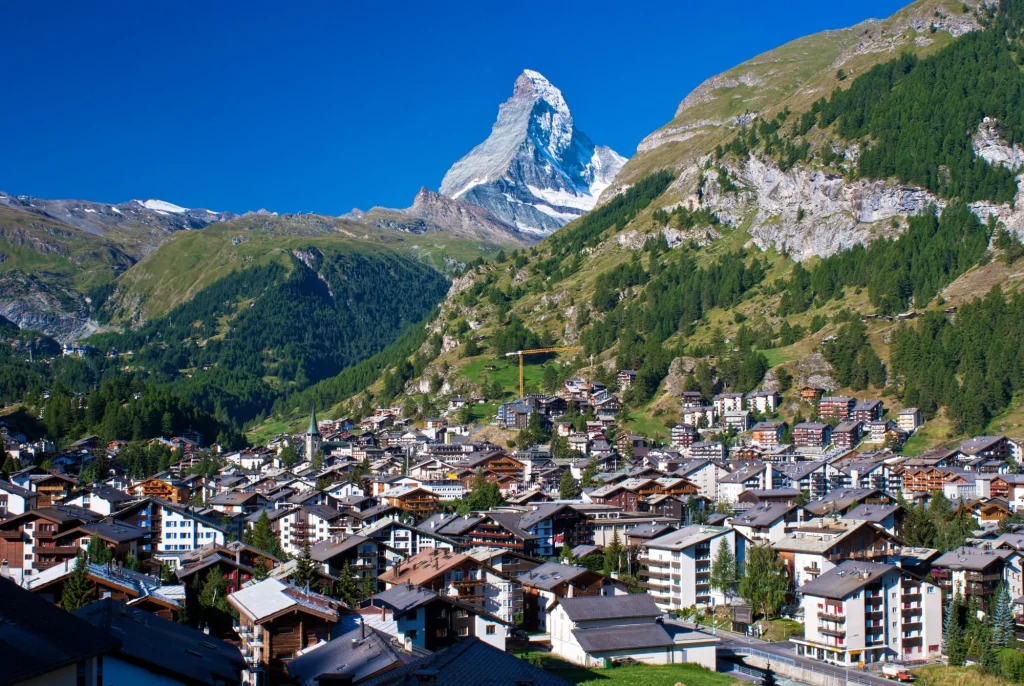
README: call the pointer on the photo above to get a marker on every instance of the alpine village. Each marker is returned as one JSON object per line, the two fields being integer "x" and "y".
{"x": 747, "y": 406}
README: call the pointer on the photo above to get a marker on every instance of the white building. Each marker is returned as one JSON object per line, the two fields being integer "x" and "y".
{"x": 592, "y": 629}
{"x": 182, "y": 530}
{"x": 869, "y": 612}
{"x": 679, "y": 565}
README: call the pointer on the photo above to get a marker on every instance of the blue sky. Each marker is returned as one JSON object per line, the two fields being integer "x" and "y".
{"x": 324, "y": 106}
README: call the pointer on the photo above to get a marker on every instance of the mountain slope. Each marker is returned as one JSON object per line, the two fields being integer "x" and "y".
{"x": 536, "y": 170}
{"x": 747, "y": 235}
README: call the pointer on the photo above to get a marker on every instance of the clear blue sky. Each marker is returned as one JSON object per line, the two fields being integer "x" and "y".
{"x": 325, "y": 106}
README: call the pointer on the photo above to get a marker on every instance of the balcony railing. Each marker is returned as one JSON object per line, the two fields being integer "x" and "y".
{"x": 831, "y": 617}
{"x": 838, "y": 633}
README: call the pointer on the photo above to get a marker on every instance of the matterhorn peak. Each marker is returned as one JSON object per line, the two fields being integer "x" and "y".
{"x": 536, "y": 170}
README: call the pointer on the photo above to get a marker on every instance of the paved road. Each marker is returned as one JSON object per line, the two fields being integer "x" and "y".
{"x": 786, "y": 649}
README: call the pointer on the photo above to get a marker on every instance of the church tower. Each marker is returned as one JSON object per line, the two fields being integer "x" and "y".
{"x": 312, "y": 435}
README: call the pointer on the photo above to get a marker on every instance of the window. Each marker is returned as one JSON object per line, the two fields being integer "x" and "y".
{"x": 463, "y": 631}
{"x": 411, "y": 634}
{"x": 490, "y": 629}
{"x": 28, "y": 556}
{"x": 931, "y": 589}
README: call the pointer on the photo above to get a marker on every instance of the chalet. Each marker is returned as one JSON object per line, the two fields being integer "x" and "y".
{"x": 708, "y": 450}
{"x": 814, "y": 435}
{"x": 113, "y": 581}
{"x": 358, "y": 553}
{"x": 545, "y": 585}
{"x": 236, "y": 562}
{"x": 173, "y": 492}
{"x": 867, "y": 411}
{"x": 276, "y": 622}
{"x": 52, "y": 488}
{"x": 514, "y": 415}
{"x": 417, "y": 501}
{"x": 554, "y": 526}
{"x": 684, "y": 435}
{"x": 767, "y": 522}
{"x": 815, "y": 547}
{"x": 997, "y": 447}
{"x": 810, "y": 394}
{"x": 39, "y": 539}
{"x": 847, "y": 434}
{"x": 459, "y": 577}
{"x": 99, "y": 498}
{"x": 836, "y": 407}
{"x": 691, "y": 399}
{"x": 594, "y": 631}
{"x": 974, "y": 571}
{"x": 768, "y": 433}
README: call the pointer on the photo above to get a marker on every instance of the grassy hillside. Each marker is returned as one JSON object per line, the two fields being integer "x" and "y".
{"x": 191, "y": 261}
{"x": 665, "y": 276}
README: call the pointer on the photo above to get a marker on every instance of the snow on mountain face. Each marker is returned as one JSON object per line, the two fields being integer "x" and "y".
{"x": 161, "y": 206}
{"x": 536, "y": 170}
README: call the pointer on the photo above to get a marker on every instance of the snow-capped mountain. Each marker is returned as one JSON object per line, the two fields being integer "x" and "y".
{"x": 537, "y": 170}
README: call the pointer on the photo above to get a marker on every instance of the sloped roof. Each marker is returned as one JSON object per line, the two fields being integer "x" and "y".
{"x": 844, "y": 579}
{"x": 471, "y": 662}
{"x": 38, "y": 637}
{"x": 591, "y": 608}
{"x": 360, "y": 653}
{"x": 270, "y": 596}
{"x": 551, "y": 574}
{"x": 164, "y": 645}
{"x": 627, "y": 637}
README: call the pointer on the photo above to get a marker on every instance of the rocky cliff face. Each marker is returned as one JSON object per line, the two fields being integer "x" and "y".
{"x": 536, "y": 171}
{"x": 432, "y": 211}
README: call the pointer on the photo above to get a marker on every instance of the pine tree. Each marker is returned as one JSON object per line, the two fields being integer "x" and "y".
{"x": 974, "y": 633}
{"x": 79, "y": 591}
{"x": 305, "y": 570}
{"x": 613, "y": 553}
{"x": 769, "y": 676}
{"x": 723, "y": 569}
{"x": 259, "y": 569}
{"x": 369, "y": 587}
{"x": 262, "y": 536}
{"x": 132, "y": 562}
{"x": 98, "y": 552}
{"x": 1001, "y": 614}
{"x": 953, "y": 632}
{"x": 347, "y": 591}
{"x": 568, "y": 488}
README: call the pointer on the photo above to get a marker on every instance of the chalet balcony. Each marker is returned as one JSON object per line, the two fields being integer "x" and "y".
{"x": 43, "y": 535}
{"x": 831, "y": 617}
{"x": 979, "y": 577}
{"x": 467, "y": 583}
{"x": 913, "y": 597}
{"x": 10, "y": 535}
{"x": 812, "y": 569}
{"x": 657, "y": 574}
{"x": 915, "y": 625}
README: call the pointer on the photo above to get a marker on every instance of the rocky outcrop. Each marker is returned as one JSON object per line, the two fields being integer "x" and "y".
{"x": 35, "y": 303}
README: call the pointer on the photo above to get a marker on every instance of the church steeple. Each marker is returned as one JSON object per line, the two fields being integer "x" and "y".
{"x": 312, "y": 430}
{"x": 312, "y": 435}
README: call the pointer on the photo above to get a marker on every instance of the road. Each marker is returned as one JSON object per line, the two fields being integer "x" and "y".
{"x": 787, "y": 650}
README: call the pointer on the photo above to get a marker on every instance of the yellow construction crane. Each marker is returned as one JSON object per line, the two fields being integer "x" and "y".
{"x": 537, "y": 351}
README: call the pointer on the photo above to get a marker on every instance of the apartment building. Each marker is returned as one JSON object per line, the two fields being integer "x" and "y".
{"x": 678, "y": 564}
{"x": 870, "y": 612}
{"x": 818, "y": 546}
{"x": 836, "y": 407}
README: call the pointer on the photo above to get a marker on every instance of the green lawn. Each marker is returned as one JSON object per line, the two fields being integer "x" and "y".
{"x": 636, "y": 675}
{"x": 777, "y": 356}
{"x": 506, "y": 372}
{"x": 644, "y": 425}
